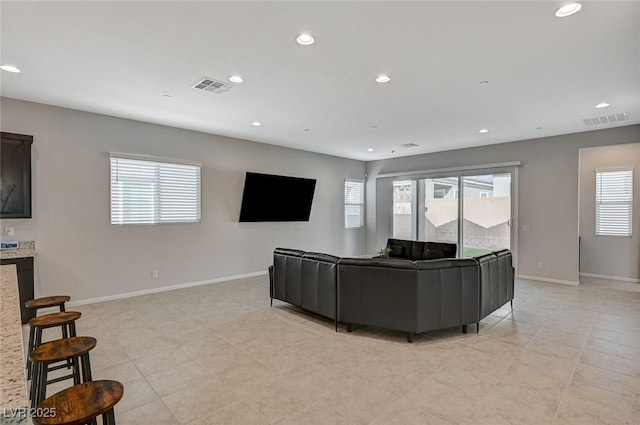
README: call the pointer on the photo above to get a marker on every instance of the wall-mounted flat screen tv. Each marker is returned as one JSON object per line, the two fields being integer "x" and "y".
{"x": 269, "y": 197}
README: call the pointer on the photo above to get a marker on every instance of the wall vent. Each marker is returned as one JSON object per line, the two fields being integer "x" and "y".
{"x": 408, "y": 145}
{"x": 606, "y": 119}
{"x": 212, "y": 85}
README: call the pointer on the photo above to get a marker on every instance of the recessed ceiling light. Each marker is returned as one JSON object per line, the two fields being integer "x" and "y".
{"x": 383, "y": 78}
{"x": 483, "y": 131}
{"x": 484, "y": 83}
{"x": 256, "y": 123}
{"x": 9, "y": 68}
{"x": 305, "y": 39}
{"x": 602, "y": 105}
{"x": 166, "y": 96}
{"x": 306, "y": 129}
{"x": 568, "y": 10}
{"x": 375, "y": 126}
{"x": 236, "y": 79}
{"x": 538, "y": 128}
{"x": 370, "y": 150}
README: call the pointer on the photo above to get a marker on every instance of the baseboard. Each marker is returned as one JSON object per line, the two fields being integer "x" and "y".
{"x": 618, "y": 278}
{"x": 162, "y": 289}
{"x": 548, "y": 280}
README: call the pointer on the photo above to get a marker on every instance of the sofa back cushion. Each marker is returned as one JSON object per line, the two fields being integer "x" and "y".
{"x": 435, "y": 250}
{"x": 378, "y": 262}
{"x": 287, "y": 267}
{"x": 318, "y": 277}
{"x": 419, "y": 250}
{"x": 448, "y": 293}
{"x": 305, "y": 279}
{"x": 377, "y": 292}
{"x": 505, "y": 275}
{"x": 400, "y": 248}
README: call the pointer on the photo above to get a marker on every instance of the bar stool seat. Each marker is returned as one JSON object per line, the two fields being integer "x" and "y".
{"x": 81, "y": 404}
{"x": 52, "y": 320}
{"x": 74, "y": 349}
{"x": 65, "y": 319}
{"x": 45, "y": 302}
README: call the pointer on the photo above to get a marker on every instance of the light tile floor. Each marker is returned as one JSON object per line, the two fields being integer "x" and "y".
{"x": 218, "y": 354}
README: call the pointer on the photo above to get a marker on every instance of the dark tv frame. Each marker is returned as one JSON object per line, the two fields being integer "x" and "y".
{"x": 256, "y": 194}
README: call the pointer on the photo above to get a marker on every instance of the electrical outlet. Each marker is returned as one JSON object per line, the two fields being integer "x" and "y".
{"x": 154, "y": 274}
{"x": 540, "y": 265}
{"x": 8, "y": 231}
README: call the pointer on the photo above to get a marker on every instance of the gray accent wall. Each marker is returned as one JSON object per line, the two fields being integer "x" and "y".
{"x": 81, "y": 254}
{"x": 547, "y": 194}
{"x": 614, "y": 256}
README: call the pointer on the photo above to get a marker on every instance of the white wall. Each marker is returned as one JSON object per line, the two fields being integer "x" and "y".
{"x": 548, "y": 194}
{"x": 614, "y": 256}
{"x": 82, "y": 255}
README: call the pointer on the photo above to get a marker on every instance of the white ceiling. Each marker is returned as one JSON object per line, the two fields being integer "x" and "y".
{"x": 120, "y": 58}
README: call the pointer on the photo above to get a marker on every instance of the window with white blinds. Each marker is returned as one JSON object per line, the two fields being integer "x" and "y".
{"x": 614, "y": 202}
{"x": 353, "y": 204}
{"x": 151, "y": 191}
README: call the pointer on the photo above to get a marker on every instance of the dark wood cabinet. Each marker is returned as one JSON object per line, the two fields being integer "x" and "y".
{"x": 24, "y": 267}
{"x": 15, "y": 176}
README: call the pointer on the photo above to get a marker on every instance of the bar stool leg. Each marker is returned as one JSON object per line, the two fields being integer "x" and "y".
{"x": 32, "y": 337}
{"x": 76, "y": 371}
{"x": 65, "y": 332}
{"x": 86, "y": 368}
{"x": 34, "y": 384}
{"x": 108, "y": 418}
{"x": 71, "y": 333}
{"x": 42, "y": 381}
{"x": 36, "y": 343}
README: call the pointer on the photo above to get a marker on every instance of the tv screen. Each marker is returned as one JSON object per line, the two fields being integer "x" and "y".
{"x": 268, "y": 197}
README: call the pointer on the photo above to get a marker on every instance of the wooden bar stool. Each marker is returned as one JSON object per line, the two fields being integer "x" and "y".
{"x": 81, "y": 404}
{"x": 46, "y": 302}
{"x": 75, "y": 349}
{"x": 65, "y": 319}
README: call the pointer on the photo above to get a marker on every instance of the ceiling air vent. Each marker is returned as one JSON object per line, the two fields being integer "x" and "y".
{"x": 607, "y": 119}
{"x": 215, "y": 86}
{"x": 408, "y": 145}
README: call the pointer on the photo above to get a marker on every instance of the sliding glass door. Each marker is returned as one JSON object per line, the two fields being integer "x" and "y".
{"x": 429, "y": 209}
{"x": 404, "y": 197}
{"x": 438, "y": 211}
{"x": 487, "y": 213}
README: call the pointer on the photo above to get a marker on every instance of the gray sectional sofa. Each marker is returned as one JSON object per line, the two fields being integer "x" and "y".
{"x": 396, "y": 293}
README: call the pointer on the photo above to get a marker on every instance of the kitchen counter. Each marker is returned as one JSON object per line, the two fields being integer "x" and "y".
{"x": 25, "y": 249}
{"x": 13, "y": 382}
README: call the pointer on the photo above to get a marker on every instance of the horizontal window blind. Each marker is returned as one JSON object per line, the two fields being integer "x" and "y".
{"x": 353, "y": 204}
{"x": 150, "y": 192}
{"x": 614, "y": 202}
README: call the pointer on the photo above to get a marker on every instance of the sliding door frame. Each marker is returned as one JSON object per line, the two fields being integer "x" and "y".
{"x": 460, "y": 173}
